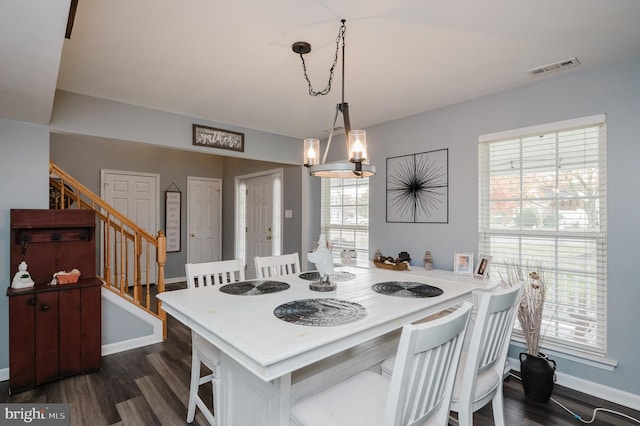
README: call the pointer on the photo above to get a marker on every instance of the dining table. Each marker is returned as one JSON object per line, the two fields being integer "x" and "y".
{"x": 281, "y": 341}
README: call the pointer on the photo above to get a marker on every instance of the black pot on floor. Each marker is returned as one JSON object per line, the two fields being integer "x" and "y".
{"x": 538, "y": 373}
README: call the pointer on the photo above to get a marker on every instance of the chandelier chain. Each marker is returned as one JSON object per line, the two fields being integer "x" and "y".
{"x": 327, "y": 89}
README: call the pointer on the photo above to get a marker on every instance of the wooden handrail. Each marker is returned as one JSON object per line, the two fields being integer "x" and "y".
{"x": 83, "y": 190}
{"x": 125, "y": 245}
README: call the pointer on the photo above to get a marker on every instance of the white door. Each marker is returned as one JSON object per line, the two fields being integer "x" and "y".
{"x": 204, "y": 215}
{"x": 259, "y": 220}
{"x": 135, "y": 195}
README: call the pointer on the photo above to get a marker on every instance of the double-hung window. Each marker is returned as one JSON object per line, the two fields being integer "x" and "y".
{"x": 345, "y": 215}
{"x": 542, "y": 200}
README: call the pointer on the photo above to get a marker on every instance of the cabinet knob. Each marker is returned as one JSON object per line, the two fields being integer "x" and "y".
{"x": 31, "y": 301}
{"x": 44, "y": 307}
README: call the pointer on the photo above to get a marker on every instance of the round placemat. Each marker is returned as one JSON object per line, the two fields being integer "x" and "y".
{"x": 337, "y": 277}
{"x": 253, "y": 288}
{"x": 320, "y": 312}
{"x": 406, "y": 289}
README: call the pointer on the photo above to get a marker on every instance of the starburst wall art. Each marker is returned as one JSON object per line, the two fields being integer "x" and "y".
{"x": 418, "y": 187}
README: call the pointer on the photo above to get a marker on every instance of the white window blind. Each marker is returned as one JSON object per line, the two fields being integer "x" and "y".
{"x": 542, "y": 198}
{"x": 345, "y": 215}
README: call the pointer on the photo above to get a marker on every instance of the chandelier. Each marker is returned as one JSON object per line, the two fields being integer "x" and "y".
{"x": 357, "y": 164}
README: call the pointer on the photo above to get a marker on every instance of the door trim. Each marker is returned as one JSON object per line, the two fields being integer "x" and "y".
{"x": 189, "y": 180}
{"x": 240, "y": 212}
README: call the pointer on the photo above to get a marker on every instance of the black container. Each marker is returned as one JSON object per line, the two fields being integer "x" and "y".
{"x": 538, "y": 375}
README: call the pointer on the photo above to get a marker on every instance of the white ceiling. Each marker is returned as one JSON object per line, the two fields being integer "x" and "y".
{"x": 231, "y": 62}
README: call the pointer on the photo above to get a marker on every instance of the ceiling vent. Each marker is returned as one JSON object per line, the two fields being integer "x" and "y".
{"x": 556, "y": 66}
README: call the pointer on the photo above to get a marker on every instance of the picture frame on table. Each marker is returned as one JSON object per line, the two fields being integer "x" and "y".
{"x": 482, "y": 270}
{"x": 463, "y": 263}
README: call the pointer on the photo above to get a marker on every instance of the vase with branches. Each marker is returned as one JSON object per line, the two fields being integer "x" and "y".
{"x": 537, "y": 371}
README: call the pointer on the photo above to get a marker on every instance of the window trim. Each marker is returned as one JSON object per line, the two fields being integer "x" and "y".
{"x": 325, "y": 226}
{"x": 597, "y": 354}
{"x": 543, "y": 128}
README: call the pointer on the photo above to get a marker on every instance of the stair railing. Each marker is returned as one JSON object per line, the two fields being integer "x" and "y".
{"x": 131, "y": 259}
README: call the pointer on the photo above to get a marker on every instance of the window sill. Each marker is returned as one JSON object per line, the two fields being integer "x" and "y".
{"x": 555, "y": 352}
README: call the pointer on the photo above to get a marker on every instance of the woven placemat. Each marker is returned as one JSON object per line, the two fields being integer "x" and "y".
{"x": 320, "y": 312}
{"x": 254, "y": 288}
{"x": 406, "y": 289}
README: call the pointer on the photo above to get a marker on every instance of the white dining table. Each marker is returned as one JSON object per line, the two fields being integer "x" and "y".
{"x": 261, "y": 353}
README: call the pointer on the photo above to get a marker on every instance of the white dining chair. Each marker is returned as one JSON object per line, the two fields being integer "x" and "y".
{"x": 482, "y": 366}
{"x": 482, "y": 363}
{"x": 274, "y": 266}
{"x": 198, "y": 275}
{"x": 419, "y": 392}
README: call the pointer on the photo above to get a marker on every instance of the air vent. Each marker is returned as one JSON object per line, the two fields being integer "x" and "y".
{"x": 556, "y": 66}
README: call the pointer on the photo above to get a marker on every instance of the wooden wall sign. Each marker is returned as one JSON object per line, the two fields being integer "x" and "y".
{"x": 218, "y": 138}
{"x": 173, "y": 205}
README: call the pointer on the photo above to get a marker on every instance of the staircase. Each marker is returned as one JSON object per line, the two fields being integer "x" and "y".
{"x": 131, "y": 260}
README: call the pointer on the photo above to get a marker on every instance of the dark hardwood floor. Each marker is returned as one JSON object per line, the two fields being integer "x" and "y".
{"x": 149, "y": 386}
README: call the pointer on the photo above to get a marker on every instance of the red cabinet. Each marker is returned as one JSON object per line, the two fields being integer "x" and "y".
{"x": 54, "y": 331}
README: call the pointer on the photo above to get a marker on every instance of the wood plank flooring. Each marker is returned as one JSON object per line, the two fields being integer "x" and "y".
{"x": 149, "y": 386}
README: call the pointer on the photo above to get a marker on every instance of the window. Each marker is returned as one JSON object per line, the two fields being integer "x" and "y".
{"x": 345, "y": 215}
{"x": 542, "y": 198}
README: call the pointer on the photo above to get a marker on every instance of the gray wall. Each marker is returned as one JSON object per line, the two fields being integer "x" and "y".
{"x": 85, "y": 115}
{"x": 292, "y": 200}
{"x": 612, "y": 89}
{"x": 84, "y": 156}
{"x": 24, "y": 184}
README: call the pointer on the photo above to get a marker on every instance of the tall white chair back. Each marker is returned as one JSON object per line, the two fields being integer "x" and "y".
{"x": 482, "y": 367}
{"x": 274, "y": 266}
{"x": 203, "y": 351}
{"x": 214, "y": 273}
{"x": 418, "y": 393}
{"x": 425, "y": 370}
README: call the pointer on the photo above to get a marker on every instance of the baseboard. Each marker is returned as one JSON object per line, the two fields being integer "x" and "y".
{"x": 126, "y": 345}
{"x": 607, "y": 393}
{"x": 175, "y": 280}
{"x": 4, "y": 374}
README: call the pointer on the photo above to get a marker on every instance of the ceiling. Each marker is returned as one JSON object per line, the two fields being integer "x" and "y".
{"x": 231, "y": 62}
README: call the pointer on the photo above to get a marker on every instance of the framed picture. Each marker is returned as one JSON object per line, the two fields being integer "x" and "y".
{"x": 218, "y": 138}
{"x": 463, "y": 263}
{"x": 418, "y": 187}
{"x": 482, "y": 270}
{"x": 172, "y": 206}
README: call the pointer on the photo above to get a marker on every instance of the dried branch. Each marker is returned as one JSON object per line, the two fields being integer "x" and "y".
{"x": 532, "y": 277}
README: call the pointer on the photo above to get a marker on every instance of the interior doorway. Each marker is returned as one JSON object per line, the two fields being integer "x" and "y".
{"x": 135, "y": 195}
{"x": 258, "y": 217}
{"x": 204, "y": 219}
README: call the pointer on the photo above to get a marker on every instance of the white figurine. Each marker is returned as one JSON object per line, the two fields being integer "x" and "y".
{"x": 22, "y": 278}
{"x": 322, "y": 259}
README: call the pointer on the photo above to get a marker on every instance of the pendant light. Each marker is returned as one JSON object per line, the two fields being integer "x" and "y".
{"x": 357, "y": 164}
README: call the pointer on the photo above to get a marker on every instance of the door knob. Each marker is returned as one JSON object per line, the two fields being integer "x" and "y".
{"x": 193, "y": 235}
{"x": 268, "y": 237}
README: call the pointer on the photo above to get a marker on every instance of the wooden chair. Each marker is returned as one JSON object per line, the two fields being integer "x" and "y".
{"x": 208, "y": 274}
{"x": 482, "y": 367}
{"x": 419, "y": 391}
{"x": 274, "y": 266}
